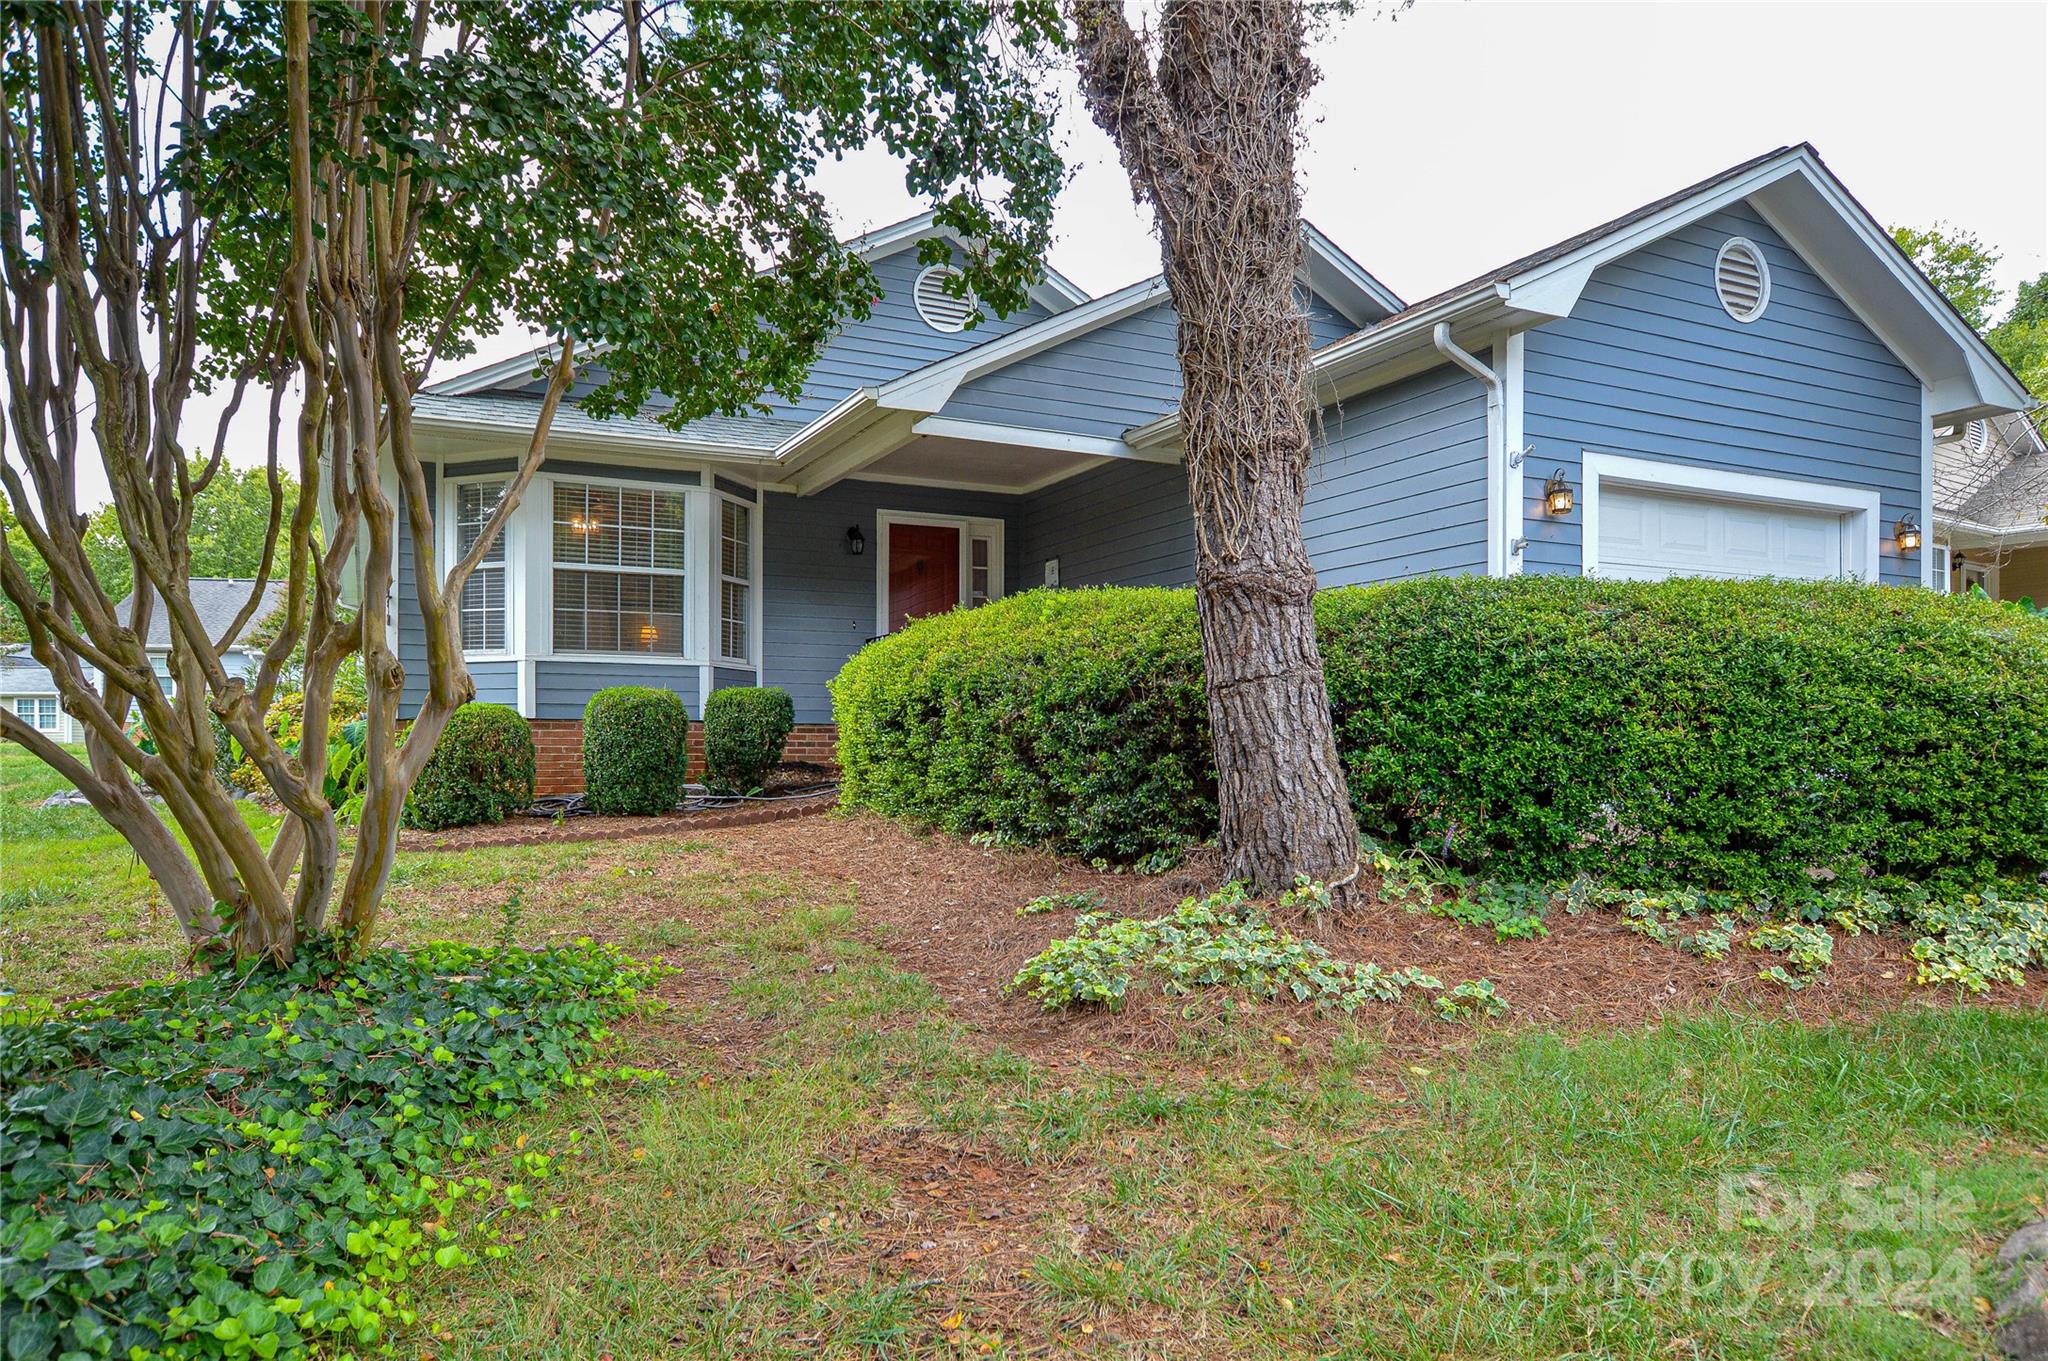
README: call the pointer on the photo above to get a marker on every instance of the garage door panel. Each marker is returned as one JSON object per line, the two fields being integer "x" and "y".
{"x": 1649, "y": 535}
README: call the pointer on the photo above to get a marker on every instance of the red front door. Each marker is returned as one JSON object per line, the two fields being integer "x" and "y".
{"x": 924, "y": 571}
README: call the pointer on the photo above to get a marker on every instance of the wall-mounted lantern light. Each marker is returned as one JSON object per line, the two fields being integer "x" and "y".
{"x": 1907, "y": 533}
{"x": 1557, "y": 494}
{"x": 856, "y": 542}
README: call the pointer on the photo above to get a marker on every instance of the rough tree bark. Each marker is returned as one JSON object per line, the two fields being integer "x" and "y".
{"x": 1207, "y": 130}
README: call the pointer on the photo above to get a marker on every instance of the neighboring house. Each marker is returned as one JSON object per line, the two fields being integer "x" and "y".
{"x": 1740, "y": 379}
{"x": 1991, "y": 506}
{"x": 27, "y": 689}
{"x": 217, "y": 601}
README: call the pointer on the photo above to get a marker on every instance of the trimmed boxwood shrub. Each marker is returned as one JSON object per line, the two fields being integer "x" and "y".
{"x": 1745, "y": 735}
{"x": 744, "y": 729}
{"x": 635, "y": 750}
{"x": 481, "y": 771}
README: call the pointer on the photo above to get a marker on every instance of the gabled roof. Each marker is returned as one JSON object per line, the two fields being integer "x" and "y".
{"x": 1802, "y": 200}
{"x": 21, "y": 674}
{"x": 1054, "y": 292}
{"x": 216, "y": 600}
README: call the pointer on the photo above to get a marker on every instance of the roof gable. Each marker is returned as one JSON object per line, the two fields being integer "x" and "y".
{"x": 1794, "y": 191}
{"x": 216, "y": 600}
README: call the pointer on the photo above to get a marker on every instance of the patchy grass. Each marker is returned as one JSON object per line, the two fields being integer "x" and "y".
{"x": 78, "y": 911}
{"x": 844, "y": 1164}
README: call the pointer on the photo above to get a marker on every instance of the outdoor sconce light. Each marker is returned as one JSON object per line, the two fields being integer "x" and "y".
{"x": 1907, "y": 532}
{"x": 1557, "y": 494}
{"x": 856, "y": 542}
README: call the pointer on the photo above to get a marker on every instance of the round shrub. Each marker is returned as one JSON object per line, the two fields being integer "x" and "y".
{"x": 1757, "y": 736}
{"x": 635, "y": 750}
{"x": 1069, "y": 719}
{"x": 744, "y": 729}
{"x": 481, "y": 771}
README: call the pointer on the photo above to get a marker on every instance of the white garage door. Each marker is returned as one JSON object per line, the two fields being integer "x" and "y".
{"x": 1647, "y": 536}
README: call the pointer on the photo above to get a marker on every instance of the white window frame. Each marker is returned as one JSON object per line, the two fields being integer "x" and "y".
{"x": 970, "y": 529}
{"x": 697, "y": 523}
{"x": 752, "y": 583}
{"x": 512, "y": 535}
{"x": 56, "y": 724}
{"x": 1858, "y": 506}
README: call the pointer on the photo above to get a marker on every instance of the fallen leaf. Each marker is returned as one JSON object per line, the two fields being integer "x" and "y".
{"x": 951, "y": 1322}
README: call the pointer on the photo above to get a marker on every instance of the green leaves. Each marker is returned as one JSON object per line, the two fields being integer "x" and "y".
{"x": 677, "y": 231}
{"x": 172, "y": 1183}
{"x": 482, "y": 770}
{"x": 1748, "y": 736}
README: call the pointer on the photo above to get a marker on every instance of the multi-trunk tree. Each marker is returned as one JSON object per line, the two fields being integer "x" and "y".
{"x": 1205, "y": 111}
{"x": 318, "y": 204}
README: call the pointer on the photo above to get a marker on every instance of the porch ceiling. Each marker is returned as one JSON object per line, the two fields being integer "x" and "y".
{"x": 945, "y": 461}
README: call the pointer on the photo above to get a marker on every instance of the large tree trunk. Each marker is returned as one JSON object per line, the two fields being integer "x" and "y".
{"x": 1209, "y": 139}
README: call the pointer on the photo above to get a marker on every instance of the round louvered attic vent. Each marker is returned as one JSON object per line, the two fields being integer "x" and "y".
{"x": 1977, "y": 437}
{"x": 940, "y": 309}
{"x": 1741, "y": 279}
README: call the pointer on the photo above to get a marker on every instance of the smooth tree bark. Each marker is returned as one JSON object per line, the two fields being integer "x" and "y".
{"x": 1205, "y": 113}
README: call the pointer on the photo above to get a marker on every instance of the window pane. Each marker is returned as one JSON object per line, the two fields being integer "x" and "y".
{"x": 483, "y": 610}
{"x": 735, "y": 548}
{"x": 474, "y": 502}
{"x": 570, "y": 524}
{"x": 732, "y": 624}
{"x": 618, "y": 612}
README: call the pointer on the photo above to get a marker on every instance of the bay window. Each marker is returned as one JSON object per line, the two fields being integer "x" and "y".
{"x": 618, "y": 569}
{"x": 482, "y": 607}
{"x": 735, "y": 579}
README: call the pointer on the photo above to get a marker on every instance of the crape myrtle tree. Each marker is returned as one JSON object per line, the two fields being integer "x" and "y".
{"x": 1205, "y": 111}
{"x": 318, "y": 204}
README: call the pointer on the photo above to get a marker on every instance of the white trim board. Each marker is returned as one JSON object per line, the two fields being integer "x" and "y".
{"x": 1857, "y": 505}
{"x": 970, "y": 528}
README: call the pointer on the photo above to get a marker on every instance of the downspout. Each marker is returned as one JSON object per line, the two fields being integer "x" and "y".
{"x": 1496, "y": 445}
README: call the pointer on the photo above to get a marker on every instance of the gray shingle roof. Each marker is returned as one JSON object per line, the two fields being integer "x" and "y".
{"x": 216, "y": 600}
{"x": 514, "y": 412}
{"x": 21, "y": 674}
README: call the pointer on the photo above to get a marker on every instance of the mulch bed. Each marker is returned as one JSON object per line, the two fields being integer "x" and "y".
{"x": 783, "y": 798}
{"x": 949, "y": 912}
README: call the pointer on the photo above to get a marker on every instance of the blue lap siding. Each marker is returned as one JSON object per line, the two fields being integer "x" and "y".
{"x": 1397, "y": 486}
{"x": 1650, "y": 366}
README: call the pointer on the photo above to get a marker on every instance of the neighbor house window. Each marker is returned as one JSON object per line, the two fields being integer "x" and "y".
{"x": 735, "y": 578}
{"x": 483, "y": 595}
{"x": 39, "y": 713}
{"x": 618, "y": 569}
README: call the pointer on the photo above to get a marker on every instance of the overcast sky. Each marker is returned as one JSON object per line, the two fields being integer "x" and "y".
{"x": 1464, "y": 133}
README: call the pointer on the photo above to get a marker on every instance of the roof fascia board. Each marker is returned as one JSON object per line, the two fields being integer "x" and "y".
{"x": 448, "y": 424}
{"x": 1028, "y": 437}
{"x": 1332, "y": 273}
{"x": 1994, "y": 381}
{"x": 885, "y": 435}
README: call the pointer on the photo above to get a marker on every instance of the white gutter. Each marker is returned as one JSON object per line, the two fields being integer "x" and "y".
{"x": 1498, "y": 549}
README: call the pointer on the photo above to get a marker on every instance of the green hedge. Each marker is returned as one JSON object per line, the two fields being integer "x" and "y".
{"x": 1747, "y": 735}
{"x": 481, "y": 771}
{"x": 744, "y": 729}
{"x": 635, "y": 750}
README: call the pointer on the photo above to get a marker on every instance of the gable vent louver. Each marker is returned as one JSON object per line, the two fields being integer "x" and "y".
{"x": 940, "y": 309}
{"x": 1741, "y": 279}
{"x": 1977, "y": 437}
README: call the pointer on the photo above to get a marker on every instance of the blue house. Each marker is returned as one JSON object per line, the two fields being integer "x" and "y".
{"x": 1741, "y": 379}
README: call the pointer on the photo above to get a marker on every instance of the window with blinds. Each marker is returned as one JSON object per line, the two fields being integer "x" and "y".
{"x": 618, "y": 569}
{"x": 735, "y": 580}
{"x": 482, "y": 609}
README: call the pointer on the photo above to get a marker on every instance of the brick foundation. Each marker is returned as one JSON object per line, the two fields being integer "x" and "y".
{"x": 558, "y": 749}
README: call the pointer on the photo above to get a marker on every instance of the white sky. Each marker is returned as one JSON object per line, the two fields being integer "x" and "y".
{"x": 1464, "y": 133}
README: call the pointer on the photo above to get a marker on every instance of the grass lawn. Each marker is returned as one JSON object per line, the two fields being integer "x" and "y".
{"x": 849, "y": 1159}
